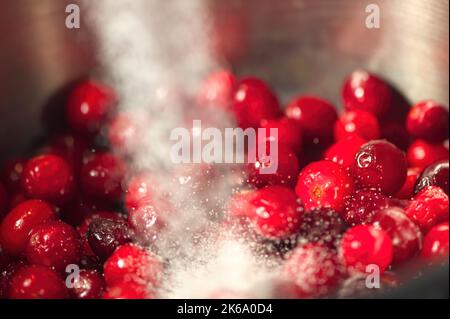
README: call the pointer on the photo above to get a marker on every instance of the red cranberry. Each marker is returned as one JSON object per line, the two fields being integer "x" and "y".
{"x": 357, "y": 123}
{"x": 48, "y": 177}
{"x": 218, "y": 89}
{"x": 324, "y": 184}
{"x": 105, "y": 235}
{"x": 435, "y": 243}
{"x": 434, "y": 175}
{"x": 285, "y": 162}
{"x": 6, "y": 274}
{"x": 254, "y": 101}
{"x": 88, "y": 107}
{"x": 12, "y": 173}
{"x": 428, "y": 207}
{"x": 289, "y": 132}
{"x": 4, "y": 201}
{"x": 367, "y": 92}
{"x": 405, "y": 235}
{"x": 407, "y": 190}
{"x": 16, "y": 226}
{"x": 362, "y": 206}
{"x": 422, "y": 154}
{"x": 132, "y": 263}
{"x": 127, "y": 290}
{"x": 314, "y": 269}
{"x": 315, "y": 116}
{"x": 275, "y": 212}
{"x": 428, "y": 120}
{"x": 380, "y": 165}
{"x": 88, "y": 285}
{"x": 146, "y": 223}
{"x": 323, "y": 226}
{"x": 125, "y": 131}
{"x": 102, "y": 176}
{"x": 343, "y": 152}
{"x": 365, "y": 245}
{"x": 53, "y": 244}
{"x": 37, "y": 282}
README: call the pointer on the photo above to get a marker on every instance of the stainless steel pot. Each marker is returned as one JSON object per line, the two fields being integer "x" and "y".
{"x": 298, "y": 45}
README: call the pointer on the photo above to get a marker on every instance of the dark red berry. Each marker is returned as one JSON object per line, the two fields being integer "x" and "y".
{"x": 380, "y": 165}
{"x": 428, "y": 120}
{"x": 88, "y": 285}
{"x": 324, "y": 184}
{"x": 37, "y": 282}
{"x": 365, "y": 245}
{"x": 323, "y": 226}
{"x": 396, "y": 134}
{"x": 6, "y": 273}
{"x": 82, "y": 207}
{"x": 422, "y": 154}
{"x": 406, "y": 236}
{"x": 102, "y": 176}
{"x": 407, "y": 190}
{"x": 435, "y": 243}
{"x": 428, "y": 207}
{"x": 12, "y": 173}
{"x": 284, "y": 163}
{"x": 367, "y": 92}
{"x": 53, "y": 244}
{"x": 4, "y": 201}
{"x": 105, "y": 235}
{"x": 48, "y": 177}
{"x": 16, "y": 226}
{"x": 362, "y": 206}
{"x": 314, "y": 269}
{"x": 316, "y": 118}
{"x": 88, "y": 107}
{"x": 127, "y": 290}
{"x": 217, "y": 90}
{"x": 274, "y": 212}
{"x": 288, "y": 130}
{"x": 254, "y": 101}
{"x": 434, "y": 175}
{"x": 357, "y": 123}
{"x": 343, "y": 152}
{"x": 130, "y": 263}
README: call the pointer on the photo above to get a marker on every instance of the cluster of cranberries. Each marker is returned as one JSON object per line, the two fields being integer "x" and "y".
{"x": 367, "y": 187}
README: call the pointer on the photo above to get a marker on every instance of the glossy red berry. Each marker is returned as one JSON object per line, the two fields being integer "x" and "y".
{"x": 127, "y": 290}
{"x": 365, "y": 245}
{"x": 322, "y": 226}
{"x": 274, "y": 212}
{"x": 288, "y": 130}
{"x": 367, "y": 92}
{"x": 316, "y": 118}
{"x": 434, "y": 175}
{"x": 357, "y": 123}
{"x": 407, "y": 190}
{"x": 132, "y": 263}
{"x": 6, "y": 273}
{"x": 48, "y": 177}
{"x": 406, "y": 236}
{"x": 344, "y": 151}
{"x": 104, "y": 235}
{"x": 217, "y": 90}
{"x": 88, "y": 285}
{"x": 422, "y": 154}
{"x": 12, "y": 173}
{"x": 53, "y": 244}
{"x": 102, "y": 176}
{"x": 380, "y": 165}
{"x": 362, "y": 205}
{"x": 428, "y": 120}
{"x": 16, "y": 226}
{"x": 324, "y": 184}
{"x": 88, "y": 107}
{"x": 428, "y": 207}
{"x": 254, "y": 101}
{"x": 314, "y": 269}
{"x": 284, "y": 163}
{"x": 37, "y": 282}
{"x": 435, "y": 243}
